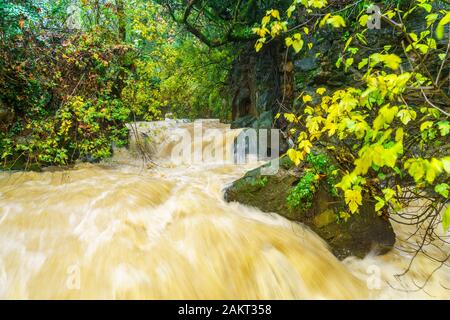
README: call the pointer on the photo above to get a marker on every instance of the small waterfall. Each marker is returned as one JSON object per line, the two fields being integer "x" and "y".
{"x": 119, "y": 231}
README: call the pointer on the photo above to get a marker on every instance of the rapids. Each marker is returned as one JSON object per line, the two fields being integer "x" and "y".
{"x": 124, "y": 230}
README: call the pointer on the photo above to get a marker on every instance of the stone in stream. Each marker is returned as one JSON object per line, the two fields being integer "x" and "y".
{"x": 363, "y": 233}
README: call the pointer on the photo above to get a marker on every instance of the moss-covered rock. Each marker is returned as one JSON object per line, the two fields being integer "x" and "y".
{"x": 359, "y": 235}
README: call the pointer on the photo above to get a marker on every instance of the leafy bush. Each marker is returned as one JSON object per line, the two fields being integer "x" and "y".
{"x": 389, "y": 135}
{"x": 71, "y": 91}
{"x": 318, "y": 167}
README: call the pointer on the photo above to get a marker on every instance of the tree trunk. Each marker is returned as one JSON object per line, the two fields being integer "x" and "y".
{"x": 121, "y": 18}
{"x": 261, "y": 81}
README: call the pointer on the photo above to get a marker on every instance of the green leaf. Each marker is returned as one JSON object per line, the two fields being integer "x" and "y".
{"x": 348, "y": 63}
{"x": 442, "y": 189}
{"x": 348, "y": 43}
{"x": 441, "y": 24}
{"x": 361, "y": 38}
{"x": 290, "y": 10}
{"x": 426, "y": 125}
{"x": 380, "y": 204}
{"x": 406, "y": 116}
{"x": 444, "y": 127}
{"x": 445, "y": 19}
{"x": 388, "y": 193}
{"x": 297, "y": 45}
{"x": 426, "y": 6}
{"x": 446, "y": 219}
{"x": 413, "y": 36}
{"x": 431, "y": 18}
{"x": 363, "y": 63}
{"x": 434, "y": 168}
{"x": 446, "y": 164}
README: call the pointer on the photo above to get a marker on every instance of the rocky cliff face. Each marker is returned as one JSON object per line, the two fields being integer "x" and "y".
{"x": 257, "y": 85}
{"x": 266, "y": 82}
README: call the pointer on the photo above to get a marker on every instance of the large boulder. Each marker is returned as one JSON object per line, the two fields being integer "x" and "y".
{"x": 362, "y": 233}
{"x": 6, "y": 116}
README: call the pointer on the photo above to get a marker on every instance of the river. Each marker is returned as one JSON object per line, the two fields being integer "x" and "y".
{"x": 124, "y": 230}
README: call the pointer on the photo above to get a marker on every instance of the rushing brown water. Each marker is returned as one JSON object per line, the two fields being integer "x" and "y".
{"x": 121, "y": 230}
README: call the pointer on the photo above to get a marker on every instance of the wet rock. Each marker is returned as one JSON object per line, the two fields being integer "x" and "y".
{"x": 362, "y": 233}
{"x": 306, "y": 64}
{"x": 264, "y": 121}
{"x": 243, "y": 122}
{"x": 6, "y": 115}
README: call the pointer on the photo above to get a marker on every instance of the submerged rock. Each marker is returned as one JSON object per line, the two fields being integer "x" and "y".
{"x": 362, "y": 233}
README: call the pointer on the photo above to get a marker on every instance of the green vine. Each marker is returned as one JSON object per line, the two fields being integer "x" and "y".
{"x": 318, "y": 168}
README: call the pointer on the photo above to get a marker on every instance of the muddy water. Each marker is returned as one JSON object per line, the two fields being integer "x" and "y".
{"x": 124, "y": 230}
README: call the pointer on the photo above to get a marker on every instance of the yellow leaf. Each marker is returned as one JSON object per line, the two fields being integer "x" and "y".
{"x": 297, "y": 45}
{"x": 440, "y": 28}
{"x": 321, "y": 91}
{"x": 446, "y": 219}
{"x": 353, "y": 199}
{"x": 288, "y": 41}
{"x": 399, "y": 135}
{"x": 336, "y": 21}
{"x": 289, "y": 117}
{"x": 324, "y": 20}
{"x": 363, "y": 20}
{"x": 348, "y": 43}
{"x": 265, "y": 21}
{"x": 290, "y": 10}
{"x": 295, "y": 156}
{"x": 392, "y": 61}
{"x": 258, "y": 46}
{"x": 307, "y": 98}
{"x": 344, "y": 215}
{"x": 297, "y": 42}
{"x": 406, "y": 116}
{"x": 415, "y": 168}
{"x": 440, "y": 31}
{"x": 379, "y": 205}
{"x": 305, "y": 145}
{"x": 317, "y": 3}
{"x": 426, "y": 125}
{"x": 276, "y": 29}
{"x": 260, "y": 31}
{"x": 435, "y": 167}
{"x": 276, "y": 14}
{"x": 446, "y": 164}
{"x": 302, "y": 136}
